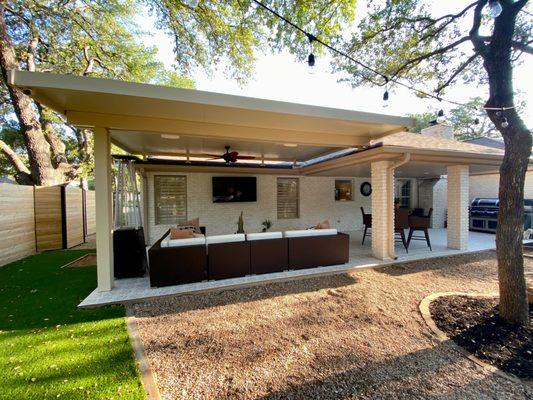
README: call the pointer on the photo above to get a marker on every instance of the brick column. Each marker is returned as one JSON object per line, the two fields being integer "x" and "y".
{"x": 458, "y": 179}
{"x": 104, "y": 212}
{"x": 382, "y": 210}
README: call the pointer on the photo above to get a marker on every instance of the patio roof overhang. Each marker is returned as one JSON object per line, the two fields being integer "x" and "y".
{"x": 142, "y": 118}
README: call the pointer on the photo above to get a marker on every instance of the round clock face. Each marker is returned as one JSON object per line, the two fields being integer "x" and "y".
{"x": 366, "y": 189}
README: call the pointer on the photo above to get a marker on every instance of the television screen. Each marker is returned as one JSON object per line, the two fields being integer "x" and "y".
{"x": 234, "y": 189}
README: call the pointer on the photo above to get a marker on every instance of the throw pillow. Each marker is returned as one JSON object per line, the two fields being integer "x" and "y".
{"x": 323, "y": 225}
{"x": 193, "y": 223}
{"x": 181, "y": 233}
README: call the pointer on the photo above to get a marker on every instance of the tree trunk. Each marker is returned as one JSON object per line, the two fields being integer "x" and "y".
{"x": 509, "y": 235}
{"x": 22, "y": 176}
{"x": 39, "y": 156}
{"x": 517, "y": 138}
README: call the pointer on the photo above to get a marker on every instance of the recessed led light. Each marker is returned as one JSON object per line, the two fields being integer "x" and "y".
{"x": 290, "y": 145}
{"x": 169, "y": 136}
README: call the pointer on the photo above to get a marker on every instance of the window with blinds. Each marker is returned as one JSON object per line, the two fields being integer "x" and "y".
{"x": 288, "y": 198}
{"x": 170, "y": 195}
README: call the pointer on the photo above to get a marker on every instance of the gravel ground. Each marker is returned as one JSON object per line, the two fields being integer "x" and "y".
{"x": 350, "y": 336}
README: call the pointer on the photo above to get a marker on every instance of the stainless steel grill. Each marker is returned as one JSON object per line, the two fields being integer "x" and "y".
{"x": 484, "y": 214}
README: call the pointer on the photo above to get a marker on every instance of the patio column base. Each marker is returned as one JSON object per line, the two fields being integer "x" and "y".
{"x": 458, "y": 180}
{"x": 382, "y": 210}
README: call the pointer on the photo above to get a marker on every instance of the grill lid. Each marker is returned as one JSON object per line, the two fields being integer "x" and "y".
{"x": 485, "y": 202}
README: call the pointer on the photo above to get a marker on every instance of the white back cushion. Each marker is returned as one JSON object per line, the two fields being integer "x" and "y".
{"x": 238, "y": 237}
{"x": 196, "y": 240}
{"x": 310, "y": 232}
{"x": 264, "y": 235}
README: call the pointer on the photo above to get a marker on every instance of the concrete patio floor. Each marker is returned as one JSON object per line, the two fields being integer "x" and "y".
{"x": 138, "y": 289}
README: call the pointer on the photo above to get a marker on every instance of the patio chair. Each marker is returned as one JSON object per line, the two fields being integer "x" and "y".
{"x": 367, "y": 222}
{"x": 420, "y": 223}
{"x": 401, "y": 223}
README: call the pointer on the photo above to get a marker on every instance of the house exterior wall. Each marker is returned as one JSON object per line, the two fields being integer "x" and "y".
{"x": 488, "y": 185}
{"x": 432, "y": 193}
{"x": 317, "y": 203}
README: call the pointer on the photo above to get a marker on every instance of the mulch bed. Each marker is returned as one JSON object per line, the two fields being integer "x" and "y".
{"x": 475, "y": 325}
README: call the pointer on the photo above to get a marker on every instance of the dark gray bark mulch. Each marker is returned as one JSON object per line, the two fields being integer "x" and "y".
{"x": 475, "y": 325}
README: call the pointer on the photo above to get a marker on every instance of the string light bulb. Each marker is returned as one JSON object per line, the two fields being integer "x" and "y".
{"x": 495, "y": 9}
{"x": 505, "y": 123}
{"x": 386, "y": 94}
{"x": 311, "y": 60}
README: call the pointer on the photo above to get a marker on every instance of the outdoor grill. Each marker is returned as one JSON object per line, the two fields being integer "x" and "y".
{"x": 484, "y": 214}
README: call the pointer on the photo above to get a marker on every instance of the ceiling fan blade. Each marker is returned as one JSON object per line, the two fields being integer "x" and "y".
{"x": 246, "y": 157}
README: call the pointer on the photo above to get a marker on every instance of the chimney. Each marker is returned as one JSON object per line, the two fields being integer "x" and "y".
{"x": 438, "y": 130}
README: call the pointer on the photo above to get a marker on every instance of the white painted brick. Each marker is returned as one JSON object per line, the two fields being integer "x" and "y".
{"x": 317, "y": 203}
{"x": 382, "y": 209}
{"x": 458, "y": 182}
{"x": 488, "y": 185}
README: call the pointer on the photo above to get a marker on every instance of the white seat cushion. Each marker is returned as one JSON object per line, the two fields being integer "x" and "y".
{"x": 238, "y": 237}
{"x": 264, "y": 235}
{"x": 194, "y": 241}
{"x": 310, "y": 232}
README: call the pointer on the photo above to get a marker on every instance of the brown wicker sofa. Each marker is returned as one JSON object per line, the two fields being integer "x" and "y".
{"x": 176, "y": 265}
{"x": 320, "y": 247}
{"x": 232, "y": 256}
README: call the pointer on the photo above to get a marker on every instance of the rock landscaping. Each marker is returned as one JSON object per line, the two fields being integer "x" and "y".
{"x": 349, "y": 336}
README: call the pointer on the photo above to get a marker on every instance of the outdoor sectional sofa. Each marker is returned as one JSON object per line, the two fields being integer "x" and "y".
{"x": 173, "y": 262}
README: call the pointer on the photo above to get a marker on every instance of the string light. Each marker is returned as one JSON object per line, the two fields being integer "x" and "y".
{"x": 495, "y": 9}
{"x": 505, "y": 123}
{"x": 386, "y": 94}
{"x": 387, "y": 79}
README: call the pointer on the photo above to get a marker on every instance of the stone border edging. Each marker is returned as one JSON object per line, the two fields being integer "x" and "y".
{"x": 147, "y": 375}
{"x": 442, "y": 337}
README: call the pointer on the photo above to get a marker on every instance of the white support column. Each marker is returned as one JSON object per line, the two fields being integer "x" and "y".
{"x": 382, "y": 210}
{"x": 104, "y": 207}
{"x": 458, "y": 179}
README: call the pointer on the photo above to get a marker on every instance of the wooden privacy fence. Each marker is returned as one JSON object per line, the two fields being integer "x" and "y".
{"x": 43, "y": 218}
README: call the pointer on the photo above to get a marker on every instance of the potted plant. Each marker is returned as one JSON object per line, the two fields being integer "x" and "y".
{"x": 267, "y": 224}
{"x": 240, "y": 224}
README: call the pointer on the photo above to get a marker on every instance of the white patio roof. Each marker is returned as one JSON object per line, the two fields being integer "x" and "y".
{"x": 139, "y": 114}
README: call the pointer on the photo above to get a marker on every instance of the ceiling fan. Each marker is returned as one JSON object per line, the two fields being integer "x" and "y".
{"x": 230, "y": 156}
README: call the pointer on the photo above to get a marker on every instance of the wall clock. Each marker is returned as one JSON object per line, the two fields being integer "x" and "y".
{"x": 366, "y": 189}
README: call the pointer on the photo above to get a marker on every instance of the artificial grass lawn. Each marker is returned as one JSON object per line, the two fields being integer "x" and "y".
{"x": 51, "y": 349}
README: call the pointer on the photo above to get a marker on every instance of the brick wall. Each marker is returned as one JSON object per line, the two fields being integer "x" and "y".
{"x": 458, "y": 180}
{"x": 487, "y": 186}
{"x": 317, "y": 203}
{"x": 382, "y": 206}
{"x": 433, "y": 194}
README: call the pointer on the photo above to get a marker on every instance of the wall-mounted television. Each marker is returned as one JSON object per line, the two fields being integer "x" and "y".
{"x": 230, "y": 189}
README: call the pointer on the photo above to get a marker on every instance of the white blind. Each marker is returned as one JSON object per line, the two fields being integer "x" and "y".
{"x": 170, "y": 194}
{"x": 288, "y": 198}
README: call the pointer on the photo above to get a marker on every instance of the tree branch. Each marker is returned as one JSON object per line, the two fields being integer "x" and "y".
{"x": 457, "y": 72}
{"x": 425, "y": 56}
{"x": 479, "y": 44}
{"x": 522, "y": 47}
{"x": 90, "y": 61}
{"x": 23, "y": 175}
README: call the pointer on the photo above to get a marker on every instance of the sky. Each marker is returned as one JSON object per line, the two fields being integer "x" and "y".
{"x": 281, "y": 77}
